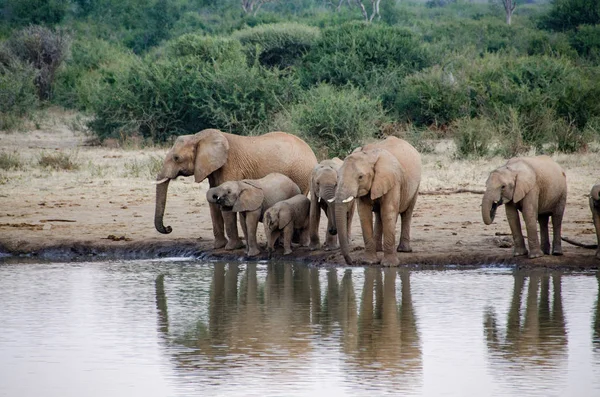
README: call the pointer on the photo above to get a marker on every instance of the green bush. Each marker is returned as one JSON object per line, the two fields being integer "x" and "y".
{"x": 280, "y": 44}
{"x": 93, "y": 63}
{"x": 206, "y": 48}
{"x": 569, "y": 14}
{"x": 44, "y": 49}
{"x": 473, "y": 137}
{"x": 18, "y": 97}
{"x": 433, "y": 96}
{"x": 586, "y": 40}
{"x": 158, "y": 99}
{"x": 357, "y": 52}
{"x": 335, "y": 120}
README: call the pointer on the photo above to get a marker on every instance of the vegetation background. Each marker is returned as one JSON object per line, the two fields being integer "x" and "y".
{"x": 335, "y": 73}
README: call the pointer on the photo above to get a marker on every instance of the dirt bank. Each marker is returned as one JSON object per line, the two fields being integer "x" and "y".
{"x": 104, "y": 208}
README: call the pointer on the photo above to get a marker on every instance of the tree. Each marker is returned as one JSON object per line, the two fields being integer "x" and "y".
{"x": 509, "y": 8}
{"x": 252, "y": 6}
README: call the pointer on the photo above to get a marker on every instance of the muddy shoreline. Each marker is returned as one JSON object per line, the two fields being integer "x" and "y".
{"x": 191, "y": 248}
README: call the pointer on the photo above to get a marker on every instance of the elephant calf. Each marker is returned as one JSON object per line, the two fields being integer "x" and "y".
{"x": 535, "y": 186}
{"x": 595, "y": 207}
{"x": 287, "y": 216}
{"x": 322, "y": 187}
{"x": 251, "y": 198}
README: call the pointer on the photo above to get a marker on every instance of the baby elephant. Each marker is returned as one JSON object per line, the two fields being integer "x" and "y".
{"x": 595, "y": 207}
{"x": 287, "y": 216}
{"x": 536, "y": 186}
{"x": 251, "y": 198}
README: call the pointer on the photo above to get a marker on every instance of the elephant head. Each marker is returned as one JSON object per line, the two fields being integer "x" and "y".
{"x": 505, "y": 184}
{"x": 373, "y": 172}
{"x": 277, "y": 218}
{"x": 595, "y": 197}
{"x": 236, "y": 196}
{"x": 199, "y": 155}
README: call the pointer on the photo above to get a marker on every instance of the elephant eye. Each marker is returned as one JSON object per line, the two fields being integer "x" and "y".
{"x": 503, "y": 187}
{"x": 176, "y": 157}
{"x": 361, "y": 176}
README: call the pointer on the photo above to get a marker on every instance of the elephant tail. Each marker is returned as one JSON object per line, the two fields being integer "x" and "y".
{"x": 578, "y": 244}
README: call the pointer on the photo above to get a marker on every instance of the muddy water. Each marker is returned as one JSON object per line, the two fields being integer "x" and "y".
{"x": 180, "y": 328}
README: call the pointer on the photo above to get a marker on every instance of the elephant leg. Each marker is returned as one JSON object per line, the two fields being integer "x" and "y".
{"x": 514, "y": 221}
{"x": 389, "y": 218}
{"x": 304, "y": 237}
{"x": 596, "y": 219}
{"x": 251, "y": 226}
{"x": 544, "y": 235}
{"x": 314, "y": 220}
{"x": 216, "y": 217}
{"x": 349, "y": 216}
{"x": 530, "y": 216}
{"x": 288, "y": 232}
{"x": 331, "y": 240}
{"x": 271, "y": 239}
{"x": 556, "y": 232}
{"x": 232, "y": 231}
{"x": 378, "y": 232}
{"x": 366, "y": 224}
{"x": 406, "y": 220}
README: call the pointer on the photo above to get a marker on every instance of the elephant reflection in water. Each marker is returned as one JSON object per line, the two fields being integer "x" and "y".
{"x": 536, "y": 341}
{"x": 596, "y": 323}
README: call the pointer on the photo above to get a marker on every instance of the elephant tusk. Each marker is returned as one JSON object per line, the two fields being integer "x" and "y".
{"x": 348, "y": 199}
{"x": 331, "y": 200}
{"x": 159, "y": 181}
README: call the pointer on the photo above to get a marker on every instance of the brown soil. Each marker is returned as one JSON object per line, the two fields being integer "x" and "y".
{"x": 100, "y": 211}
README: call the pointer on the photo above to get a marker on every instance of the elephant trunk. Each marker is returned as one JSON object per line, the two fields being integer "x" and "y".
{"x": 161, "y": 200}
{"x": 341, "y": 222}
{"x": 488, "y": 208}
{"x": 327, "y": 192}
{"x": 332, "y": 226}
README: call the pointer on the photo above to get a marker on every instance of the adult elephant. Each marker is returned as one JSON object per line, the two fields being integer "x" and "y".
{"x": 536, "y": 186}
{"x": 384, "y": 177}
{"x": 223, "y": 157}
{"x": 595, "y": 207}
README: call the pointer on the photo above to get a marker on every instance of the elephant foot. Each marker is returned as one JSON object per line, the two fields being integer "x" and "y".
{"x": 331, "y": 247}
{"x": 557, "y": 251}
{"x": 390, "y": 260}
{"x": 546, "y": 251}
{"x": 220, "y": 243}
{"x": 234, "y": 244}
{"x": 371, "y": 259}
{"x": 598, "y": 254}
{"x": 535, "y": 254}
{"x": 404, "y": 247}
{"x": 253, "y": 252}
{"x": 287, "y": 252}
{"x": 520, "y": 251}
{"x": 314, "y": 246}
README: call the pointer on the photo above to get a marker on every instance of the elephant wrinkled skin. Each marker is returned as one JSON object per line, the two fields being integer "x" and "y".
{"x": 223, "y": 157}
{"x": 384, "y": 177}
{"x": 251, "y": 198}
{"x": 536, "y": 186}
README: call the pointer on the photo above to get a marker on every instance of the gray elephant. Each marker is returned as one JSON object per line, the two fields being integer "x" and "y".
{"x": 223, "y": 157}
{"x": 287, "y": 216}
{"x": 322, "y": 188}
{"x": 384, "y": 177}
{"x": 536, "y": 186}
{"x": 251, "y": 198}
{"x": 595, "y": 207}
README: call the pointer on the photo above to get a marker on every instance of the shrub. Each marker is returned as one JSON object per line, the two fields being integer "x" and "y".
{"x": 10, "y": 161}
{"x": 569, "y": 14}
{"x": 280, "y": 45}
{"x": 335, "y": 120}
{"x": 93, "y": 64}
{"x": 170, "y": 97}
{"x": 473, "y": 137}
{"x": 43, "y": 48}
{"x": 17, "y": 93}
{"x": 59, "y": 161}
{"x": 586, "y": 40}
{"x": 433, "y": 96}
{"x": 206, "y": 48}
{"x": 357, "y": 52}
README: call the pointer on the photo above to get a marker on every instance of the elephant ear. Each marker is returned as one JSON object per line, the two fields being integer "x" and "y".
{"x": 524, "y": 182}
{"x": 388, "y": 173}
{"x": 249, "y": 199}
{"x": 285, "y": 217}
{"x": 211, "y": 153}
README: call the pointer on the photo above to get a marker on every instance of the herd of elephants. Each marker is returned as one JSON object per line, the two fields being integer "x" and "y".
{"x": 267, "y": 178}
